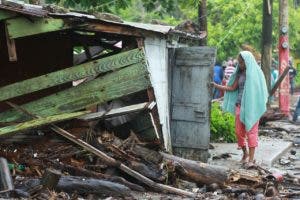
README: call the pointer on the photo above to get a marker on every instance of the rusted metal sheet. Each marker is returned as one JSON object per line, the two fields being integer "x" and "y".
{"x": 91, "y": 23}
{"x": 26, "y": 9}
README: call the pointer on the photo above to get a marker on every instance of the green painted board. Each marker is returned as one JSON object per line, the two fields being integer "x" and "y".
{"x": 143, "y": 127}
{"x": 40, "y": 122}
{"x": 6, "y": 14}
{"x": 120, "y": 83}
{"x": 73, "y": 73}
{"x": 21, "y": 27}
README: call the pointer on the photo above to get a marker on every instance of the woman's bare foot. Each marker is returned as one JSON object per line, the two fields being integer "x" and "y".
{"x": 245, "y": 155}
{"x": 245, "y": 158}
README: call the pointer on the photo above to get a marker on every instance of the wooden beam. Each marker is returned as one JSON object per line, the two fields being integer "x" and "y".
{"x": 40, "y": 122}
{"x": 11, "y": 47}
{"x": 21, "y": 27}
{"x": 116, "y": 111}
{"x": 93, "y": 40}
{"x": 6, "y": 14}
{"x": 111, "y": 86}
{"x": 73, "y": 73}
{"x": 112, "y": 28}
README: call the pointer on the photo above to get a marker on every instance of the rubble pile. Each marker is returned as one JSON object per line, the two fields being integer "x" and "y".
{"x": 55, "y": 168}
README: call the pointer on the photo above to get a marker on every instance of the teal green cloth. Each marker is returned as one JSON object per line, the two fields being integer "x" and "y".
{"x": 255, "y": 94}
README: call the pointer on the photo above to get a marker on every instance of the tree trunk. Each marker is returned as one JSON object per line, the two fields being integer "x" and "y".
{"x": 202, "y": 18}
{"x": 266, "y": 60}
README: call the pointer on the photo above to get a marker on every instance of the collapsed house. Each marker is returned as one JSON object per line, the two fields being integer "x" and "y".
{"x": 117, "y": 64}
{"x": 100, "y": 99}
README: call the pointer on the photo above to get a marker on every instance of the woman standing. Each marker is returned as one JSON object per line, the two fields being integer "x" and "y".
{"x": 246, "y": 97}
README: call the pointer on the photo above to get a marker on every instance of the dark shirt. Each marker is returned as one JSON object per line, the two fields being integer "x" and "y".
{"x": 292, "y": 73}
{"x": 241, "y": 84}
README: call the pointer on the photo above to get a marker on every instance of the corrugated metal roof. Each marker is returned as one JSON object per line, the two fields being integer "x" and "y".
{"x": 151, "y": 27}
{"x": 22, "y": 8}
{"x": 41, "y": 11}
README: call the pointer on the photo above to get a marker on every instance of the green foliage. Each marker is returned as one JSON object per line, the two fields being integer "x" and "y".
{"x": 297, "y": 78}
{"x": 222, "y": 125}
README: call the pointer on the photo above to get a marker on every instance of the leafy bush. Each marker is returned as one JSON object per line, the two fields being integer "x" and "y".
{"x": 222, "y": 126}
{"x": 297, "y": 78}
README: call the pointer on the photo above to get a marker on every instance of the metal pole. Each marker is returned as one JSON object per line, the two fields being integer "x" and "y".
{"x": 284, "y": 96}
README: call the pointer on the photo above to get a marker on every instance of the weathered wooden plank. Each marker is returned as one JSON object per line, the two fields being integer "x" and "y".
{"x": 40, "y": 122}
{"x": 21, "y": 27}
{"x": 11, "y": 47}
{"x": 112, "y": 28}
{"x": 143, "y": 126}
{"x": 73, "y": 73}
{"x": 6, "y": 14}
{"x": 115, "y": 112}
{"x": 197, "y": 57}
{"x": 111, "y": 86}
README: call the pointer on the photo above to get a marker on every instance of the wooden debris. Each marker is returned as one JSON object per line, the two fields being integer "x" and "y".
{"x": 117, "y": 111}
{"x": 88, "y": 69}
{"x": 11, "y": 47}
{"x": 6, "y": 183}
{"x": 201, "y": 172}
{"x": 50, "y": 178}
{"x": 111, "y": 161}
{"x": 76, "y": 171}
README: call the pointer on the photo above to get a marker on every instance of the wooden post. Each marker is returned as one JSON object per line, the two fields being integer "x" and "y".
{"x": 266, "y": 60}
{"x": 202, "y": 20}
{"x": 284, "y": 98}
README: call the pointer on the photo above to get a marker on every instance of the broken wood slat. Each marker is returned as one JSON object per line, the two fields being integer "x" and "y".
{"x": 135, "y": 147}
{"x": 112, "y": 28}
{"x": 11, "y": 47}
{"x": 111, "y": 86}
{"x": 92, "y": 68}
{"x": 115, "y": 112}
{"x": 6, "y": 14}
{"x": 50, "y": 178}
{"x": 143, "y": 125}
{"x": 40, "y": 122}
{"x": 21, "y": 27}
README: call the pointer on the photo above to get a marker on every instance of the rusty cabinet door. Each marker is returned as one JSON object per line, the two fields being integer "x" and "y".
{"x": 191, "y": 96}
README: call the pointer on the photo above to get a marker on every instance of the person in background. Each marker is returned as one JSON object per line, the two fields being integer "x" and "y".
{"x": 224, "y": 65}
{"x": 297, "y": 112}
{"x": 274, "y": 77}
{"x": 218, "y": 76}
{"x": 292, "y": 75}
{"x": 229, "y": 70}
{"x": 246, "y": 96}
